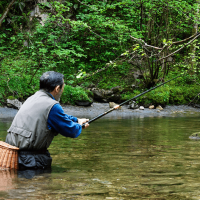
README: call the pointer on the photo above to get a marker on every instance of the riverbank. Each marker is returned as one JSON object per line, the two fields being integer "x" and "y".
{"x": 98, "y": 108}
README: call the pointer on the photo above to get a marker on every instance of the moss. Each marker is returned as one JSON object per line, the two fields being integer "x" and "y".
{"x": 11, "y": 98}
{"x": 165, "y": 95}
{"x": 195, "y": 136}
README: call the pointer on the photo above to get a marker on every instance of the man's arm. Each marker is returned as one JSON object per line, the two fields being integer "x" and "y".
{"x": 74, "y": 119}
{"x": 62, "y": 123}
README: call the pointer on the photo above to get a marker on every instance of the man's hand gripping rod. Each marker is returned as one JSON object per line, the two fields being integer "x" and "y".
{"x": 105, "y": 113}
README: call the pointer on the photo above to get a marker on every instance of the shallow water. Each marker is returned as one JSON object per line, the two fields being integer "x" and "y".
{"x": 135, "y": 158}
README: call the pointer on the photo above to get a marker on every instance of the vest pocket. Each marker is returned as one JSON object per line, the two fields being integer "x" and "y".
{"x": 20, "y": 136}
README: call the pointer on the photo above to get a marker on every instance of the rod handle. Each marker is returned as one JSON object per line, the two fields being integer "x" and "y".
{"x": 83, "y": 125}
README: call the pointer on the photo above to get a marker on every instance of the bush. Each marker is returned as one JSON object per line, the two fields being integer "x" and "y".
{"x": 183, "y": 94}
{"x": 160, "y": 95}
{"x": 17, "y": 86}
{"x": 167, "y": 94}
{"x": 73, "y": 94}
{"x": 17, "y": 79}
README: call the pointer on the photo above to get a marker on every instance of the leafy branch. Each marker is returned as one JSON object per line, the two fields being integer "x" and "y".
{"x": 6, "y": 11}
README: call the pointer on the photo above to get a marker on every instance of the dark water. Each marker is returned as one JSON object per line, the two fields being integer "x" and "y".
{"x": 138, "y": 158}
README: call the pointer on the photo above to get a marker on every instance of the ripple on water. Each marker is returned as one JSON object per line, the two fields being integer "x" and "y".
{"x": 137, "y": 158}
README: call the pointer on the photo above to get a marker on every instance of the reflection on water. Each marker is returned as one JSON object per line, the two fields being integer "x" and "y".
{"x": 138, "y": 158}
{"x": 7, "y": 178}
{"x": 31, "y": 173}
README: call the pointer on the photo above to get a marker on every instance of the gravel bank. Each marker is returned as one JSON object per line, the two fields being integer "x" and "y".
{"x": 98, "y": 108}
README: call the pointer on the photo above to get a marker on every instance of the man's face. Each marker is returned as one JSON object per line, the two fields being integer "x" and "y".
{"x": 57, "y": 97}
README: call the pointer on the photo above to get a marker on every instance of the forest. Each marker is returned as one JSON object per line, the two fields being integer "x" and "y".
{"x": 123, "y": 45}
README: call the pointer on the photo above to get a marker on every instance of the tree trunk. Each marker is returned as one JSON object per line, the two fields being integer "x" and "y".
{"x": 193, "y": 45}
{"x": 6, "y": 11}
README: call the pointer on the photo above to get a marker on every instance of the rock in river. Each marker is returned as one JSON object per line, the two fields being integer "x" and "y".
{"x": 195, "y": 136}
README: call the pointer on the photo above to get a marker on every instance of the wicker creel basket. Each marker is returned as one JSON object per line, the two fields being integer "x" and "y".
{"x": 8, "y": 156}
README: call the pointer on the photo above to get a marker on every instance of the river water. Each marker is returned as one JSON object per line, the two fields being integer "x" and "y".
{"x": 120, "y": 158}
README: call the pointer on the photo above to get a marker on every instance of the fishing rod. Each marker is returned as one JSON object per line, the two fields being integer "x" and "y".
{"x": 115, "y": 107}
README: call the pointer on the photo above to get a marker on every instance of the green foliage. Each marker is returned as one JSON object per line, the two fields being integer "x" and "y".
{"x": 86, "y": 36}
{"x": 160, "y": 95}
{"x": 130, "y": 95}
{"x": 183, "y": 94}
{"x": 100, "y": 32}
{"x": 73, "y": 94}
{"x": 167, "y": 94}
{"x": 17, "y": 78}
{"x": 114, "y": 76}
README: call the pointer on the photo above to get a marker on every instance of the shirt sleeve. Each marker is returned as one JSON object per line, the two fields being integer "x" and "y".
{"x": 62, "y": 123}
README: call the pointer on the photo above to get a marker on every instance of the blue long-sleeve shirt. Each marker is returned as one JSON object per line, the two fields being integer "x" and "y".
{"x": 62, "y": 123}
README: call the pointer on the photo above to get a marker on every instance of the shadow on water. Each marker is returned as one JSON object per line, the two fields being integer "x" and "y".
{"x": 134, "y": 158}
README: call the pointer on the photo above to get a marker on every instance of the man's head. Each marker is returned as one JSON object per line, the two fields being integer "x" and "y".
{"x": 52, "y": 82}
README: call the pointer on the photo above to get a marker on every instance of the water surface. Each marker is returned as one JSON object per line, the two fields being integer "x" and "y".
{"x": 134, "y": 158}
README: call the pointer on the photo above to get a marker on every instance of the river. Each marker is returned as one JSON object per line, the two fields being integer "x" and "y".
{"x": 116, "y": 158}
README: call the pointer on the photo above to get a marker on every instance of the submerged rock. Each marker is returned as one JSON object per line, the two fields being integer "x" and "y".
{"x": 195, "y": 136}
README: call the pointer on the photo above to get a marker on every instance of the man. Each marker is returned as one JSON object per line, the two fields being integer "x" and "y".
{"x": 40, "y": 118}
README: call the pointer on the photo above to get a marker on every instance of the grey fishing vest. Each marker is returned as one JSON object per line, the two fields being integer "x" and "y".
{"x": 29, "y": 128}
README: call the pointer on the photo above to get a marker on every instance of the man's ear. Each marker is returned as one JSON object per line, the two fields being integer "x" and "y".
{"x": 57, "y": 88}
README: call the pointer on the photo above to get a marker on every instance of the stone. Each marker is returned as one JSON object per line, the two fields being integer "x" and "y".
{"x": 104, "y": 101}
{"x": 127, "y": 89}
{"x": 113, "y": 104}
{"x": 115, "y": 97}
{"x": 133, "y": 86}
{"x": 195, "y": 136}
{"x": 102, "y": 95}
{"x": 37, "y": 12}
{"x": 151, "y": 107}
{"x": 91, "y": 85}
{"x": 141, "y": 107}
{"x": 116, "y": 89}
{"x": 15, "y": 103}
{"x": 159, "y": 107}
{"x": 98, "y": 94}
{"x": 83, "y": 103}
{"x": 108, "y": 92}
{"x": 133, "y": 105}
